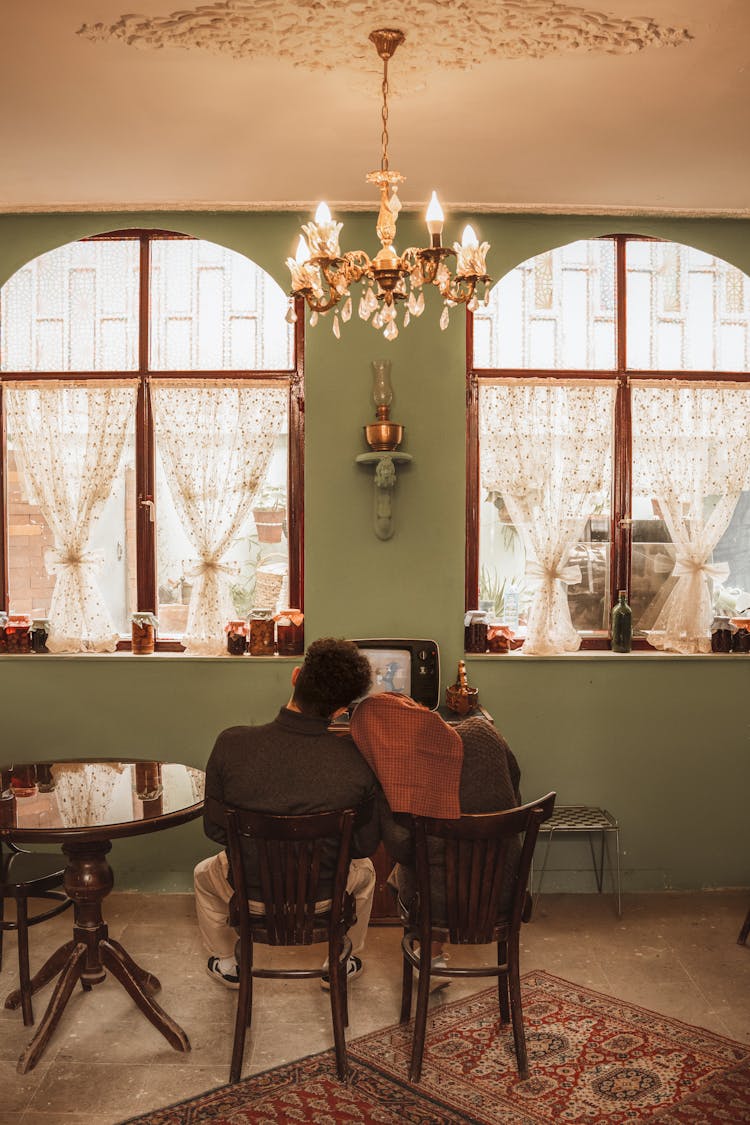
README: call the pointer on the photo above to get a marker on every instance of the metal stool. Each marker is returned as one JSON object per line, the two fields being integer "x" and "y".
{"x": 589, "y": 819}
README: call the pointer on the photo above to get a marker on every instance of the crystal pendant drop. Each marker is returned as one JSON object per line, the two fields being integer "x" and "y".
{"x": 336, "y": 327}
{"x": 406, "y": 317}
{"x": 291, "y": 316}
{"x": 420, "y": 305}
{"x": 362, "y": 308}
{"x": 390, "y": 331}
{"x": 346, "y": 312}
{"x": 313, "y": 319}
{"x": 444, "y": 318}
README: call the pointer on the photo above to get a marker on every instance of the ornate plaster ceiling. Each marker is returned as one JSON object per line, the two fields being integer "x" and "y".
{"x": 509, "y": 105}
{"x": 312, "y": 33}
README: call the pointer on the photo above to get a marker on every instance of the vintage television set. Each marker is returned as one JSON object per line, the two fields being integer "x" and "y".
{"x": 405, "y": 665}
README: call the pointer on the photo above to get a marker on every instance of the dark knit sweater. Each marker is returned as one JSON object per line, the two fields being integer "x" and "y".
{"x": 490, "y": 779}
{"x": 290, "y": 766}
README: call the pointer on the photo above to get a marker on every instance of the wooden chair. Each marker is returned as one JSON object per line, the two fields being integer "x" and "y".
{"x": 290, "y": 849}
{"x": 25, "y": 875}
{"x": 486, "y": 899}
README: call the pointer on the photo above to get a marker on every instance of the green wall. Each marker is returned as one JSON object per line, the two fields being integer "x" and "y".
{"x": 662, "y": 741}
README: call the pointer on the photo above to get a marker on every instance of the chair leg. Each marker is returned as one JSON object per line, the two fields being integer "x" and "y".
{"x": 244, "y": 1014}
{"x": 407, "y": 980}
{"x": 23, "y": 960}
{"x": 338, "y": 977}
{"x": 420, "y": 1018}
{"x": 2, "y": 929}
{"x": 745, "y": 930}
{"x": 516, "y": 1010}
{"x": 502, "y": 983}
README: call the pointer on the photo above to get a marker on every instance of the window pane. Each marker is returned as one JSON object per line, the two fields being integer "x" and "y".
{"x": 73, "y": 309}
{"x": 545, "y": 455}
{"x": 555, "y": 311}
{"x": 113, "y": 534}
{"x": 256, "y": 556}
{"x": 691, "y": 506}
{"x": 687, "y": 311}
{"x": 215, "y": 310}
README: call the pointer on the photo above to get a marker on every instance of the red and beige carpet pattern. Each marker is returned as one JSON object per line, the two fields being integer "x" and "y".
{"x": 593, "y": 1060}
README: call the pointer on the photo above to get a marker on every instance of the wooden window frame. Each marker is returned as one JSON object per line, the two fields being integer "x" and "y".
{"x": 145, "y": 471}
{"x": 623, "y": 378}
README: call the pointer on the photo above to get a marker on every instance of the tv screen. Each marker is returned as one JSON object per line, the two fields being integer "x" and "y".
{"x": 391, "y": 670}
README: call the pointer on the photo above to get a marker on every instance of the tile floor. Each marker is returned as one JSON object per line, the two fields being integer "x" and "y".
{"x": 675, "y": 953}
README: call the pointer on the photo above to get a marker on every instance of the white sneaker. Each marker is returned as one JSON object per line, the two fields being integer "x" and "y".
{"x": 229, "y": 980}
{"x": 354, "y": 969}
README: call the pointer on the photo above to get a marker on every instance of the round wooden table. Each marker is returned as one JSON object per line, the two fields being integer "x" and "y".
{"x": 83, "y": 805}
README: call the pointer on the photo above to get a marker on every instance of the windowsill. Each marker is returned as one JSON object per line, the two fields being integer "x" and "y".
{"x": 181, "y": 656}
{"x": 605, "y": 654}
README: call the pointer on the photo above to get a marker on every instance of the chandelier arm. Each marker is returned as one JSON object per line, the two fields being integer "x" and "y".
{"x": 430, "y": 260}
{"x": 320, "y": 305}
{"x": 460, "y": 290}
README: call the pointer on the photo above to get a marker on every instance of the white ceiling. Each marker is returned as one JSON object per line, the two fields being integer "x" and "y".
{"x": 499, "y": 104}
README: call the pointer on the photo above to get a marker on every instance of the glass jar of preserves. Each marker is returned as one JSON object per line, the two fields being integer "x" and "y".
{"x": 475, "y": 631}
{"x": 721, "y": 634}
{"x": 144, "y": 626}
{"x": 290, "y": 632}
{"x": 17, "y": 636}
{"x": 39, "y": 631}
{"x": 236, "y": 632}
{"x": 261, "y": 639}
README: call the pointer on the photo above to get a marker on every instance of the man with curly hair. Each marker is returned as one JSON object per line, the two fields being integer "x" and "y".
{"x": 293, "y": 765}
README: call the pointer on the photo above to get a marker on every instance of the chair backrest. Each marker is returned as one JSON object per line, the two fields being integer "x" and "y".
{"x": 291, "y": 851}
{"x": 486, "y": 868}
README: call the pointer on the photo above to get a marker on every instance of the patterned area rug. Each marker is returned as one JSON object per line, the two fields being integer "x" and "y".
{"x": 593, "y": 1060}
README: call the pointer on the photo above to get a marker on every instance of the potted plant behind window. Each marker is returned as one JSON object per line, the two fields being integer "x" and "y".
{"x": 269, "y": 514}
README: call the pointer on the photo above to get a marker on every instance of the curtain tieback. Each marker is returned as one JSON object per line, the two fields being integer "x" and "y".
{"x": 570, "y": 575}
{"x": 58, "y": 559}
{"x": 683, "y": 567}
{"x": 206, "y": 565}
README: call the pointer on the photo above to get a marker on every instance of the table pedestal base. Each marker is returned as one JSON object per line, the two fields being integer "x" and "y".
{"x": 88, "y": 880}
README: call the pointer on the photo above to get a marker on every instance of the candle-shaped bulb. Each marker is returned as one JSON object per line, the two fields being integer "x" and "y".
{"x": 303, "y": 252}
{"x": 435, "y": 219}
{"x": 322, "y": 215}
{"x": 469, "y": 238}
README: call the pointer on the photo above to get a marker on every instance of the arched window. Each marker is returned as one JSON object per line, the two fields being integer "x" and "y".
{"x": 607, "y": 450}
{"x": 152, "y": 398}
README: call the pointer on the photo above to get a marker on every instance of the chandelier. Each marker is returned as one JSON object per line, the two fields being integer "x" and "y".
{"x": 324, "y": 276}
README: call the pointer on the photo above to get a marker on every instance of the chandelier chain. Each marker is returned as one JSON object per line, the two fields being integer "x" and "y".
{"x": 384, "y": 115}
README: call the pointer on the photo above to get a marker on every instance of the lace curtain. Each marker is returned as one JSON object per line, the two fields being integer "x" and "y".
{"x": 215, "y": 442}
{"x": 691, "y": 453}
{"x": 546, "y": 447}
{"x": 68, "y": 439}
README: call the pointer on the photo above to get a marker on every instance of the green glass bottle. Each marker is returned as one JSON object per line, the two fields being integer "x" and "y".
{"x": 622, "y": 625}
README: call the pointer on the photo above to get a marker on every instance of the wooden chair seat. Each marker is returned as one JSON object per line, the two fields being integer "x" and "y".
{"x": 486, "y": 877}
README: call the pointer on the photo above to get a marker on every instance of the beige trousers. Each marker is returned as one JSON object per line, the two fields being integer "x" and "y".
{"x": 213, "y": 892}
